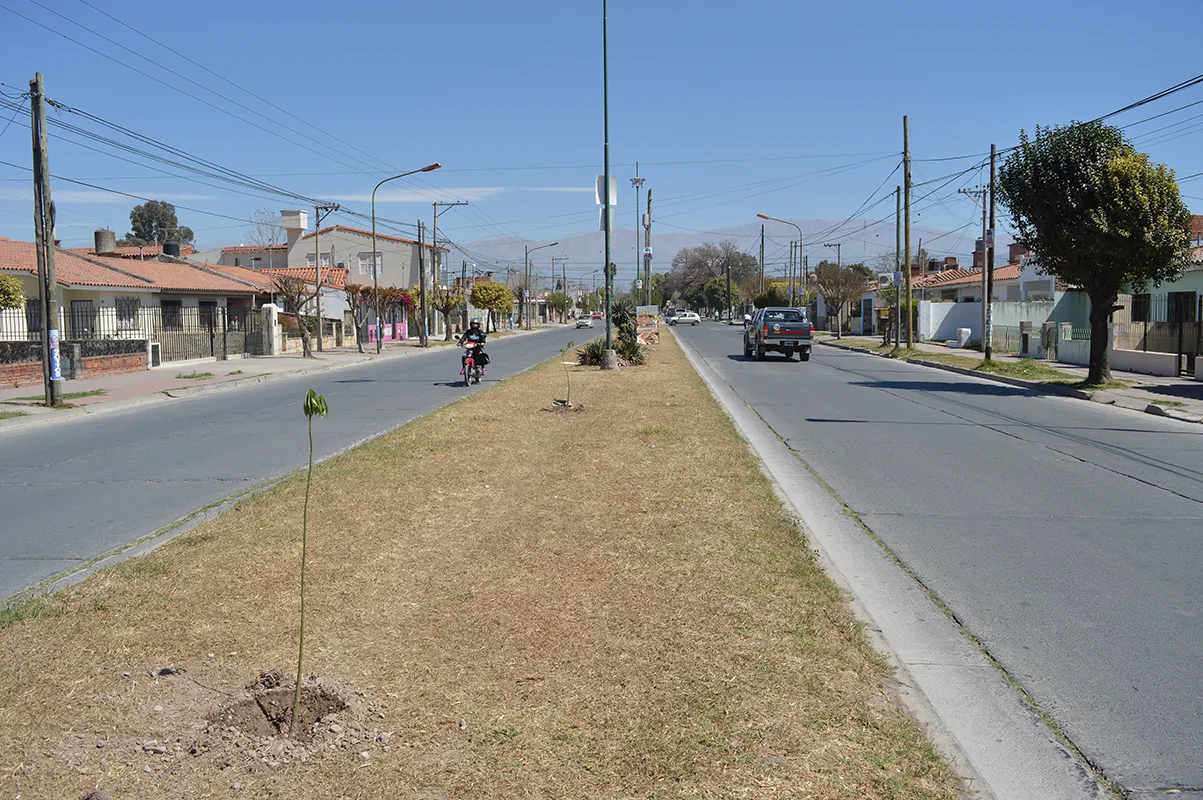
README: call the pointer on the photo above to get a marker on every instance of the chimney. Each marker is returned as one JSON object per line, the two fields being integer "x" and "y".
{"x": 1016, "y": 252}
{"x": 979, "y": 254}
{"x": 171, "y": 249}
{"x": 106, "y": 242}
{"x": 950, "y": 262}
{"x": 933, "y": 265}
{"x": 294, "y": 224}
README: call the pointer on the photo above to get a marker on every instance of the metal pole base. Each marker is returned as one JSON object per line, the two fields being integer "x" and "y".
{"x": 609, "y": 359}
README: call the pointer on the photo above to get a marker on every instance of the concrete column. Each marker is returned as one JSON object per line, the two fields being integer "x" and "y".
{"x": 271, "y": 330}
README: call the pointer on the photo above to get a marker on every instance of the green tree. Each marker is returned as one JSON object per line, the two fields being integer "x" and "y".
{"x": 494, "y": 297}
{"x": 11, "y": 294}
{"x": 1097, "y": 214}
{"x": 361, "y": 302}
{"x": 559, "y": 302}
{"x": 155, "y": 222}
{"x": 773, "y": 295}
{"x": 839, "y": 285}
{"x": 447, "y": 300}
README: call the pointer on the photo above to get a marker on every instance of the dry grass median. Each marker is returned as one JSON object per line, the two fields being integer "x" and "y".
{"x": 606, "y": 604}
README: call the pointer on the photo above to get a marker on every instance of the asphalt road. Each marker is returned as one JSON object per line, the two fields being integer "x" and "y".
{"x": 73, "y": 490}
{"x": 1067, "y": 536}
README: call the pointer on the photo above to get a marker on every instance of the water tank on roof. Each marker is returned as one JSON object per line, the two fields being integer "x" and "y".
{"x": 106, "y": 242}
{"x": 171, "y": 249}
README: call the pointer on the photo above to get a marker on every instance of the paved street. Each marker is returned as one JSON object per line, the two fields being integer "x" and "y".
{"x": 1066, "y": 535}
{"x": 76, "y": 489}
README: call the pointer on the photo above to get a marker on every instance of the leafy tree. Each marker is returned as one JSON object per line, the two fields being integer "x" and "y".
{"x": 361, "y": 301}
{"x": 1098, "y": 215}
{"x": 447, "y": 300}
{"x": 692, "y": 267}
{"x": 773, "y": 295}
{"x": 558, "y": 301}
{"x": 155, "y": 222}
{"x": 839, "y": 285}
{"x": 658, "y": 295}
{"x": 494, "y": 297}
{"x": 299, "y": 300}
{"x": 591, "y": 301}
{"x": 397, "y": 303}
{"x": 11, "y": 294}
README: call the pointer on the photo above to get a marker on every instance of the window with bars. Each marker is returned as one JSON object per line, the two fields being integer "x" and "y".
{"x": 127, "y": 313}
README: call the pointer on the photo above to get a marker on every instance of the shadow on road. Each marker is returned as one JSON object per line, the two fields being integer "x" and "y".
{"x": 980, "y": 389}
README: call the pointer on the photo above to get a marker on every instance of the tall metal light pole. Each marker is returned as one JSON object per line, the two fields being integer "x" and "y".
{"x": 637, "y": 184}
{"x": 561, "y": 261}
{"x": 796, "y": 227}
{"x": 375, "y": 260}
{"x": 609, "y": 357}
{"x": 529, "y": 306}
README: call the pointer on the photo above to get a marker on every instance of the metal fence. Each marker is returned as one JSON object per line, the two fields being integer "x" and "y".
{"x": 1006, "y": 339}
{"x": 1160, "y": 323}
{"x": 175, "y": 333}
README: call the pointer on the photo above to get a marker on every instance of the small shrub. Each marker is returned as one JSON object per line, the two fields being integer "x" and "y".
{"x": 631, "y": 352}
{"x": 590, "y": 355}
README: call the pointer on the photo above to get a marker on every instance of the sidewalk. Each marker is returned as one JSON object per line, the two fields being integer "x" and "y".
{"x": 92, "y": 395}
{"x": 1179, "y": 398}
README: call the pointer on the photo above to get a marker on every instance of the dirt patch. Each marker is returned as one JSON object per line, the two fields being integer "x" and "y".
{"x": 564, "y": 408}
{"x": 268, "y": 711}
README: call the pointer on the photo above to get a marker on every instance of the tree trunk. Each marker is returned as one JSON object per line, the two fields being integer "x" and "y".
{"x": 839, "y": 328}
{"x": 1100, "y": 313}
{"x": 447, "y": 325}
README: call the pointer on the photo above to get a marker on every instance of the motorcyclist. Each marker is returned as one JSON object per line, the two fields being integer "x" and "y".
{"x": 477, "y": 335}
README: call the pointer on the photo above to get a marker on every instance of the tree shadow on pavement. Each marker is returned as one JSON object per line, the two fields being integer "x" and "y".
{"x": 954, "y": 387}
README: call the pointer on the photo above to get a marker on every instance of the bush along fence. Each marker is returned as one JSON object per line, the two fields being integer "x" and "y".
{"x": 128, "y": 339}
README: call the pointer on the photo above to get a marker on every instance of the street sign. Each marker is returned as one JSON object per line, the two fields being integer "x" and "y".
{"x": 601, "y": 219}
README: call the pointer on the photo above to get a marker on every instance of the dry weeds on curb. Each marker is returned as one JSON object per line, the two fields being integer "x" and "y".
{"x": 603, "y": 604}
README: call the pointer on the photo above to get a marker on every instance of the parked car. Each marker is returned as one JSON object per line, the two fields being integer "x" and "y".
{"x": 685, "y": 318}
{"x": 584, "y": 322}
{"x": 779, "y": 330}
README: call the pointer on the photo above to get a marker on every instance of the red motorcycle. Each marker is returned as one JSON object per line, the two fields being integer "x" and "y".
{"x": 470, "y": 370}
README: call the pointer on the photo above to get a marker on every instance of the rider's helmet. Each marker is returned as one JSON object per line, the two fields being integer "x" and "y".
{"x": 474, "y": 323}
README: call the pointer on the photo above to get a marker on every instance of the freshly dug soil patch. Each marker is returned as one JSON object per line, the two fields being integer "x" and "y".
{"x": 269, "y": 712}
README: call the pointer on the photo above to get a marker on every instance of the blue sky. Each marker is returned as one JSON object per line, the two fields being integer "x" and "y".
{"x": 784, "y": 107}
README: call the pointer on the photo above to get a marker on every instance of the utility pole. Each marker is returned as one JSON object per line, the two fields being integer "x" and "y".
{"x": 838, "y": 261}
{"x": 463, "y": 285}
{"x": 727, "y": 269}
{"x": 637, "y": 184}
{"x": 609, "y": 357}
{"x": 317, "y": 260}
{"x": 989, "y": 334}
{"x": 789, "y": 272}
{"x": 43, "y": 221}
{"x": 897, "y": 267}
{"x": 563, "y": 261}
{"x": 647, "y": 245}
{"x": 762, "y": 259}
{"x": 423, "y": 329}
{"x": 906, "y": 264}
{"x": 975, "y": 193}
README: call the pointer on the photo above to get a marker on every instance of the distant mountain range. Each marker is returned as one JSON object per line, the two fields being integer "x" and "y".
{"x": 860, "y": 240}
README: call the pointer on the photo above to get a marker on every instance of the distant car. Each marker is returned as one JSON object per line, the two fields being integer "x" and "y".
{"x": 685, "y": 318}
{"x": 598, "y": 315}
{"x": 780, "y": 330}
{"x": 585, "y": 322}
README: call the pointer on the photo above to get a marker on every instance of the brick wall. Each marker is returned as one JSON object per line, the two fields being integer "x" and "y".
{"x": 21, "y": 374}
{"x": 112, "y": 365}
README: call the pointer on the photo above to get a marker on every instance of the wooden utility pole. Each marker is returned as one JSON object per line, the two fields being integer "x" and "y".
{"x": 790, "y": 272}
{"x": 463, "y": 284}
{"x": 897, "y": 265}
{"x": 317, "y": 260}
{"x": 647, "y": 244}
{"x": 988, "y": 336}
{"x": 906, "y": 264}
{"x": 423, "y": 331}
{"x": 762, "y": 259}
{"x": 43, "y": 220}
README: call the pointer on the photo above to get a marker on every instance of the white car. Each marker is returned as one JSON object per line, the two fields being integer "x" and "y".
{"x": 584, "y": 322}
{"x": 684, "y": 317}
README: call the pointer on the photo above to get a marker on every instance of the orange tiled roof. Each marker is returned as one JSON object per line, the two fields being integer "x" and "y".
{"x": 259, "y": 279}
{"x": 335, "y": 277}
{"x": 379, "y": 235}
{"x": 145, "y": 251}
{"x": 242, "y": 248}
{"x": 71, "y": 269}
{"x": 174, "y": 276}
{"x": 965, "y": 277}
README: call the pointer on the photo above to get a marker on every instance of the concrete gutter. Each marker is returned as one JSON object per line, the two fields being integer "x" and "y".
{"x": 985, "y": 726}
{"x": 1101, "y": 396}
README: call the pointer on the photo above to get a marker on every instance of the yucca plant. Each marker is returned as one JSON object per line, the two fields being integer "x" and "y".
{"x": 631, "y": 351}
{"x": 590, "y": 355}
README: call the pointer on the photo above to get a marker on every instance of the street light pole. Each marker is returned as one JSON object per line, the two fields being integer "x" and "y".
{"x": 528, "y": 307}
{"x": 799, "y": 229}
{"x": 609, "y": 357}
{"x": 375, "y": 260}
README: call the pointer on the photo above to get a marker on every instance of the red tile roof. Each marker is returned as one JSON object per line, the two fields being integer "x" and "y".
{"x": 145, "y": 251}
{"x": 965, "y": 277}
{"x": 71, "y": 269}
{"x": 379, "y": 235}
{"x": 242, "y": 248}
{"x": 175, "y": 276}
{"x": 335, "y": 277}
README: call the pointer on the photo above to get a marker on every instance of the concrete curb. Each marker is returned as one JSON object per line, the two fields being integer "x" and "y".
{"x": 1102, "y": 396}
{"x": 979, "y": 721}
{"x": 49, "y": 417}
